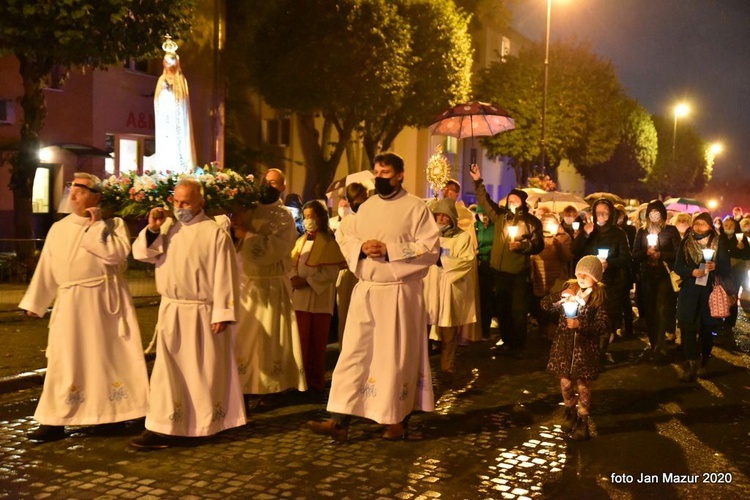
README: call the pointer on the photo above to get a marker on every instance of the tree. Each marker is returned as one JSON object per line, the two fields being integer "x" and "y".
{"x": 357, "y": 67}
{"x": 73, "y": 33}
{"x": 684, "y": 172}
{"x": 585, "y": 111}
{"x": 439, "y": 71}
{"x": 633, "y": 159}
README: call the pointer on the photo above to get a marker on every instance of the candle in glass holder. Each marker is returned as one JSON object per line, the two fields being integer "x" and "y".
{"x": 652, "y": 239}
{"x": 739, "y": 236}
{"x": 603, "y": 253}
{"x": 571, "y": 309}
{"x": 512, "y": 232}
{"x": 576, "y": 225}
{"x": 708, "y": 254}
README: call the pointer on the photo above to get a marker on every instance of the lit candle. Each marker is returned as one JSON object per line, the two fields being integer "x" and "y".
{"x": 512, "y": 232}
{"x": 603, "y": 253}
{"x": 576, "y": 225}
{"x": 708, "y": 254}
{"x": 571, "y": 309}
{"x": 652, "y": 239}
{"x": 739, "y": 236}
{"x": 552, "y": 228}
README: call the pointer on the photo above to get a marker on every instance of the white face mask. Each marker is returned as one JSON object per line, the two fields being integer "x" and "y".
{"x": 569, "y": 220}
{"x": 654, "y": 217}
{"x": 344, "y": 211}
{"x": 483, "y": 218}
{"x": 310, "y": 225}
{"x": 183, "y": 214}
{"x": 513, "y": 208}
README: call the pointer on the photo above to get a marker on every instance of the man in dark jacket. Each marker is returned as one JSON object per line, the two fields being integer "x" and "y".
{"x": 600, "y": 236}
{"x": 509, "y": 260}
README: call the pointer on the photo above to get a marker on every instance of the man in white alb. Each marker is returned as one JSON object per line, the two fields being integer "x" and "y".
{"x": 195, "y": 388}
{"x": 96, "y": 372}
{"x": 383, "y": 372}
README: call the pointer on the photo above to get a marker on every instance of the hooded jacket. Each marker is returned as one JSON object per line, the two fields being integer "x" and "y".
{"x": 610, "y": 237}
{"x": 530, "y": 233}
{"x": 668, "y": 242}
{"x": 447, "y": 206}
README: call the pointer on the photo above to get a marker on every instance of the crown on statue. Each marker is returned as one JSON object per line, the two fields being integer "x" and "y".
{"x": 169, "y": 46}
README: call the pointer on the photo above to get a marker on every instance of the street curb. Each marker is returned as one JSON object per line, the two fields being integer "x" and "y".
{"x": 22, "y": 381}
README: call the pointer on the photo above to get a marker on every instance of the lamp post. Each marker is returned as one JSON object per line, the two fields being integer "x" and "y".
{"x": 680, "y": 110}
{"x": 543, "y": 144}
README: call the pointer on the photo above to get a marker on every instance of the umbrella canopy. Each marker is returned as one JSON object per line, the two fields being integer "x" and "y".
{"x": 556, "y": 201}
{"x": 689, "y": 205}
{"x": 607, "y": 196}
{"x": 473, "y": 119}
{"x": 364, "y": 177}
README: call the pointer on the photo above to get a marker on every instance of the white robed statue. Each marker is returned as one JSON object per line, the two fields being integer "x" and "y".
{"x": 175, "y": 149}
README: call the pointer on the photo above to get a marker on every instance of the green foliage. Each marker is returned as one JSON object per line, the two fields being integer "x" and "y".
{"x": 585, "y": 109}
{"x": 633, "y": 158}
{"x": 684, "y": 172}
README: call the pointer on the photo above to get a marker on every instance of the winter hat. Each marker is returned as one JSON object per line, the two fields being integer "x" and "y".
{"x": 521, "y": 194}
{"x": 705, "y": 217}
{"x": 591, "y": 266}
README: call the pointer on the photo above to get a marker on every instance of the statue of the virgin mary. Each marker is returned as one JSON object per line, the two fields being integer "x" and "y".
{"x": 175, "y": 150}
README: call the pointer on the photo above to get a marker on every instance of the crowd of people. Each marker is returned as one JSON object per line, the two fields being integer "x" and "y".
{"x": 248, "y": 302}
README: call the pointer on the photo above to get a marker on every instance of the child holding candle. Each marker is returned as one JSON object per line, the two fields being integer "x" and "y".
{"x": 574, "y": 356}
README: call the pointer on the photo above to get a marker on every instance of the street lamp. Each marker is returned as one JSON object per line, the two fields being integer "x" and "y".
{"x": 680, "y": 110}
{"x": 544, "y": 92}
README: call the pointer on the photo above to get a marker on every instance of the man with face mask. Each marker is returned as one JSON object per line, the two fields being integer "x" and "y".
{"x": 383, "y": 372}
{"x": 600, "y": 236}
{"x": 96, "y": 372}
{"x": 268, "y": 350}
{"x": 196, "y": 276}
{"x": 356, "y": 195}
{"x": 510, "y": 260}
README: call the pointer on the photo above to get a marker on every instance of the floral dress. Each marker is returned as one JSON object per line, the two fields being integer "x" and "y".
{"x": 575, "y": 353}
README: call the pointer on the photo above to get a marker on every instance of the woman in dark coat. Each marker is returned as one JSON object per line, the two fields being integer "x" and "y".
{"x": 603, "y": 234}
{"x": 656, "y": 296}
{"x": 693, "y": 314}
{"x": 574, "y": 355}
{"x": 739, "y": 254}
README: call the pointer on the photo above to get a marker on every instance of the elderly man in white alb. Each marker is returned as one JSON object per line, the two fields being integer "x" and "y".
{"x": 195, "y": 388}
{"x": 383, "y": 372}
{"x": 96, "y": 373}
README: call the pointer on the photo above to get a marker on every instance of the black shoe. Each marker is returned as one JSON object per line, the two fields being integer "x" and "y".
{"x": 151, "y": 440}
{"x": 47, "y": 433}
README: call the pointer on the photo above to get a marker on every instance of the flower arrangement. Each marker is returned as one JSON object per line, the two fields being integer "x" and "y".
{"x": 542, "y": 182}
{"x": 135, "y": 195}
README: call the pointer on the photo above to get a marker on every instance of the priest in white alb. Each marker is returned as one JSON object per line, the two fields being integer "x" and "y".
{"x": 383, "y": 372}
{"x": 96, "y": 372}
{"x": 195, "y": 388}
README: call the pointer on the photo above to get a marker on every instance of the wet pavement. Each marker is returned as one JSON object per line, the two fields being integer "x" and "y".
{"x": 495, "y": 434}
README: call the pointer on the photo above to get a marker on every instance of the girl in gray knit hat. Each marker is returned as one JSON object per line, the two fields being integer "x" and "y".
{"x": 574, "y": 356}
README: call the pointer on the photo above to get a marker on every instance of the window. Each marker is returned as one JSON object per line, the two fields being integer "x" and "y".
{"x": 40, "y": 193}
{"x": 129, "y": 153}
{"x": 277, "y": 131}
{"x": 504, "y": 48}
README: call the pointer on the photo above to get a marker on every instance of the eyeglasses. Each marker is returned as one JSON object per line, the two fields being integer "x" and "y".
{"x": 82, "y": 186}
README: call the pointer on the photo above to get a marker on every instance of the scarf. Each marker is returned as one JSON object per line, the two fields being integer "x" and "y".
{"x": 694, "y": 245}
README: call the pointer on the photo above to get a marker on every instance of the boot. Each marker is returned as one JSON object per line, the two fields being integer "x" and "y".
{"x": 690, "y": 372}
{"x": 604, "y": 356}
{"x": 569, "y": 420}
{"x": 329, "y": 428}
{"x": 701, "y": 372}
{"x": 581, "y": 432}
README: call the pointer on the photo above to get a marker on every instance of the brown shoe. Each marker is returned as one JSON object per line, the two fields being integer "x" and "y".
{"x": 329, "y": 428}
{"x": 151, "y": 441}
{"x": 395, "y": 432}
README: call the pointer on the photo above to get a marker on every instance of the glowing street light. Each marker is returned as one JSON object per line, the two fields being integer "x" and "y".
{"x": 681, "y": 110}
{"x": 712, "y": 151}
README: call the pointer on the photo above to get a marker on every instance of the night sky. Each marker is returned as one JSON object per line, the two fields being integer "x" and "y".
{"x": 665, "y": 51}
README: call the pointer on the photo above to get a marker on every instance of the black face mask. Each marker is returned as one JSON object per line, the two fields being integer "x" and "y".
{"x": 384, "y": 187}
{"x": 269, "y": 194}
